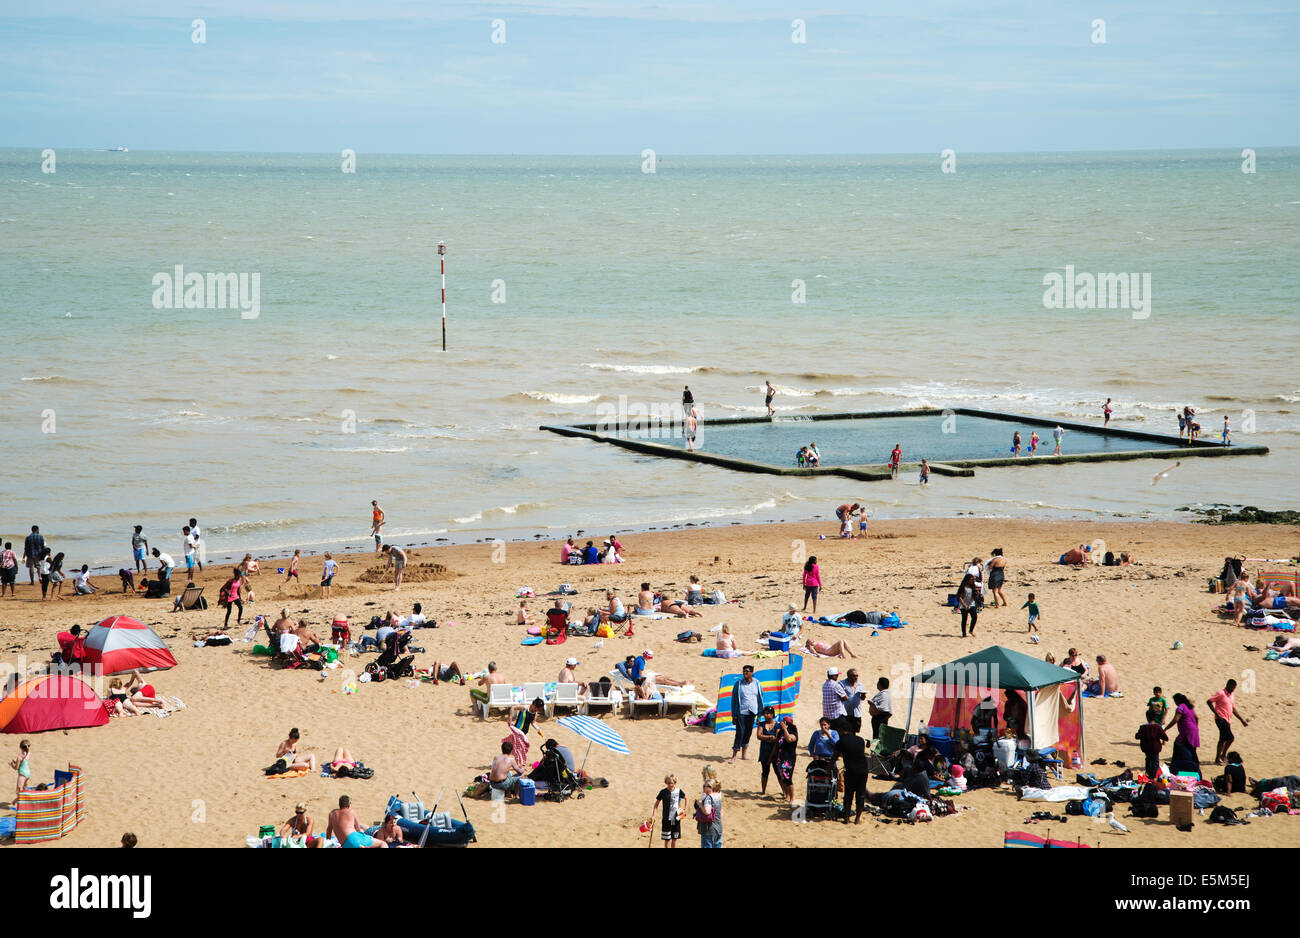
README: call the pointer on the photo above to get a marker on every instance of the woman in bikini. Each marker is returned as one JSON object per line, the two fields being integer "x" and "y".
{"x": 838, "y": 649}
{"x": 726, "y": 647}
{"x": 121, "y": 701}
{"x": 288, "y": 751}
{"x": 1075, "y": 663}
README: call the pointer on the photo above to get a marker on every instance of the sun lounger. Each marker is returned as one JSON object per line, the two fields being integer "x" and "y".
{"x": 594, "y": 697}
{"x": 534, "y": 691}
{"x": 566, "y": 695}
{"x": 500, "y": 697}
{"x": 635, "y": 704}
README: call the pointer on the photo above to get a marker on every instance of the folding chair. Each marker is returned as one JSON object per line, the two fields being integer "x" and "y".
{"x": 884, "y": 759}
{"x": 192, "y": 598}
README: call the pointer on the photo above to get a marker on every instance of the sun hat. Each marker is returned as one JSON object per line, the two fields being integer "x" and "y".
{"x": 832, "y": 672}
{"x": 648, "y": 653}
{"x": 572, "y": 662}
{"x": 300, "y": 806}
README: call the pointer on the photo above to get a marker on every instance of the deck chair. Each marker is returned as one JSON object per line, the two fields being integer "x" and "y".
{"x": 566, "y": 695}
{"x": 192, "y": 598}
{"x": 884, "y": 759}
{"x": 535, "y": 690}
{"x": 620, "y": 628}
{"x": 500, "y": 697}
{"x": 601, "y": 694}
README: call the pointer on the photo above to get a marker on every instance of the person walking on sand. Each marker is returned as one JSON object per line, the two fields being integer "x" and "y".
{"x": 895, "y": 458}
{"x": 767, "y": 401}
{"x": 190, "y": 547}
{"x": 1032, "y": 605}
{"x": 8, "y": 568}
{"x": 673, "y": 799}
{"x": 230, "y": 597}
{"x": 997, "y": 575}
{"x": 1224, "y": 705}
{"x": 33, "y": 548}
{"x": 966, "y": 603}
{"x": 397, "y": 560}
{"x": 327, "y": 575}
{"x": 139, "y": 549}
{"x": 1106, "y": 411}
{"x": 199, "y": 549}
{"x": 708, "y": 816}
{"x": 1056, "y": 437}
{"x": 1187, "y": 741}
{"x": 377, "y": 519}
{"x": 291, "y": 571}
{"x": 812, "y": 583}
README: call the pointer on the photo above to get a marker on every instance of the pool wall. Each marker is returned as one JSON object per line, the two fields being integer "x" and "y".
{"x": 1173, "y": 447}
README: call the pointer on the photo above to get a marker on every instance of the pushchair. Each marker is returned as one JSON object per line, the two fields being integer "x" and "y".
{"x": 822, "y": 786}
{"x": 555, "y": 772}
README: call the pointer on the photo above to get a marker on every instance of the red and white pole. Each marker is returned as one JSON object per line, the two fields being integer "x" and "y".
{"x": 442, "y": 260}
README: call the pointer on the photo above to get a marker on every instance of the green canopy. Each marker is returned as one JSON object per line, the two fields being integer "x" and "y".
{"x": 998, "y": 667}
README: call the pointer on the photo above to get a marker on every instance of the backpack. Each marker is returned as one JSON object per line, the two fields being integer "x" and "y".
{"x": 1074, "y": 807}
{"x": 1222, "y": 815}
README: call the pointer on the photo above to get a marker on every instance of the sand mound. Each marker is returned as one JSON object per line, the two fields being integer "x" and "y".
{"x": 415, "y": 573}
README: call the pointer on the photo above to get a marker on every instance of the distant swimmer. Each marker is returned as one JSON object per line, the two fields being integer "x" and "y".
{"x": 1056, "y": 436}
{"x": 767, "y": 402}
{"x": 1161, "y": 475}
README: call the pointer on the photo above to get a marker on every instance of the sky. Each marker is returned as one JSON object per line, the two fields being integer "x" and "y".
{"x": 606, "y": 77}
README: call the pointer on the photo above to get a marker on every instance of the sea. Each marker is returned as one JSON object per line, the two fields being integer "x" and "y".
{"x": 576, "y": 286}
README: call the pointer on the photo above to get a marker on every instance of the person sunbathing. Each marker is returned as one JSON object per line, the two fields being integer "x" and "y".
{"x": 288, "y": 751}
{"x": 389, "y": 833}
{"x": 654, "y": 678}
{"x": 676, "y": 607}
{"x": 144, "y": 696}
{"x": 1074, "y": 557}
{"x": 644, "y": 689}
{"x": 346, "y": 828}
{"x": 645, "y": 601}
{"x": 342, "y": 760}
{"x": 726, "y": 647}
{"x": 837, "y": 649}
{"x": 120, "y": 699}
{"x": 493, "y": 676}
{"x": 506, "y": 770}
{"x": 299, "y": 824}
{"x": 1107, "y": 683}
{"x": 447, "y": 672}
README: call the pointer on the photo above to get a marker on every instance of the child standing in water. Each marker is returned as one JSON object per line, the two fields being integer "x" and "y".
{"x": 925, "y": 480}
{"x": 23, "y": 765}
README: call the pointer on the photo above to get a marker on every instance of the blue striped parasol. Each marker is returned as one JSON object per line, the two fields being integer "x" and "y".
{"x": 594, "y": 731}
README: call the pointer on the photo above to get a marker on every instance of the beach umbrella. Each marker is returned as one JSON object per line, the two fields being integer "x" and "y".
{"x": 594, "y": 732}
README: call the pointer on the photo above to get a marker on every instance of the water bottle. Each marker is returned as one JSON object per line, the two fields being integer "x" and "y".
{"x": 1075, "y": 763}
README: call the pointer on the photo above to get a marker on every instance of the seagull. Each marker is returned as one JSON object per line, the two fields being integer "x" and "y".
{"x": 1161, "y": 475}
{"x": 599, "y": 644}
{"x": 1114, "y": 824}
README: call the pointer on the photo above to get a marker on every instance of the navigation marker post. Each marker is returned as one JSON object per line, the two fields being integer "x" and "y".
{"x": 442, "y": 261}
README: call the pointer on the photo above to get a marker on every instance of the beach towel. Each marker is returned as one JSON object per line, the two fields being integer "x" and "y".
{"x": 296, "y": 773}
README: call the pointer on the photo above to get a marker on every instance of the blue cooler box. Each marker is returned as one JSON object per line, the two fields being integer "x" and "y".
{"x": 527, "y": 792}
{"x": 778, "y": 641}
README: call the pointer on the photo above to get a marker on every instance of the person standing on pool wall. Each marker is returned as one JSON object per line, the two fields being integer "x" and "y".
{"x": 1056, "y": 435}
{"x": 767, "y": 402}
{"x": 688, "y": 401}
{"x": 1015, "y": 445}
{"x": 1106, "y": 411}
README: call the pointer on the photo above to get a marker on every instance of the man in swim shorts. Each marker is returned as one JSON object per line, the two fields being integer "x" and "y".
{"x": 506, "y": 771}
{"x": 344, "y": 826}
{"x": 767, "y": 401}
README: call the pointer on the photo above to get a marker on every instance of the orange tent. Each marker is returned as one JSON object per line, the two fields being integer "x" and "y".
{"x": 51, "y": 702}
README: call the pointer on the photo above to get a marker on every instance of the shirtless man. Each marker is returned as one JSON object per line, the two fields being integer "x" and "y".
{"x": 344, "y": 826}
{"x": 306, "y": 636}
{"x": 493, "y": 676}
{"x": 845, "y": 514}
{"x": 506, "y": 770}
{"x": 288, "y": 750}
{"x": 283, "y": 624}
{"x": 567, "y": 675}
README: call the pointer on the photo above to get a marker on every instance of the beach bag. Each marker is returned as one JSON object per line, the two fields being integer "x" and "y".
{"x": 604, "y": 630}
{"x": 279, "y": 767}
{"x": 1222, "y": 815}
{"x": 718, "y": 598}
{"x": 1093, "y": 807}
{"x": 1143, "y": 809}
{"x": 1074, "y": 807}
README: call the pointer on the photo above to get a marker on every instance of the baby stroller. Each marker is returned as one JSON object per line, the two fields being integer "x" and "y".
{"x": 823, "y": 783}
{"x": 553, "y": 770}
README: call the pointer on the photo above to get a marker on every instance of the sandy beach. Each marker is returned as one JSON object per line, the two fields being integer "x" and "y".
{"x": 194, "y": 780}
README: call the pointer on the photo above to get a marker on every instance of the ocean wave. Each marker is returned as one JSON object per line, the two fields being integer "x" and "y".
{"x": 642, "y": 369}
{"x": 49, "y": 378}
{"x": 554, "y": 397}
{"x": 369, "y": 449}
{"x": 245, "y": 527}
{"x": 497, "y": 510}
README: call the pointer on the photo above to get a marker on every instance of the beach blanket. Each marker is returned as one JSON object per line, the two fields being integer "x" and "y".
{"x": 879, "y": 620}
{"x": 1060, "y": 793}
{"x": 296, "y": 773}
